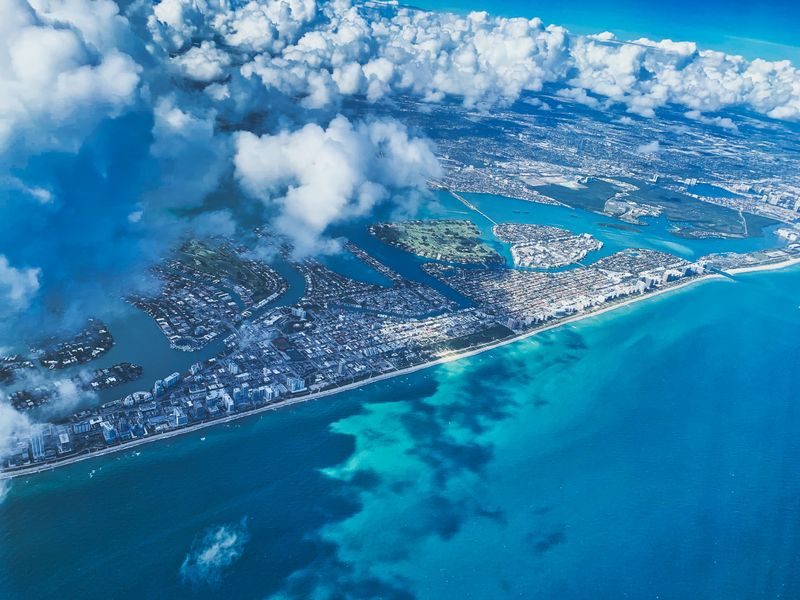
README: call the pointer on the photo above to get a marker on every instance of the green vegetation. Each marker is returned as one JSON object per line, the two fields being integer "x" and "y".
{"x": 222, "y": 261}
{"x": 448, "y": 240}
{"x": 690, "y": 217}
{"x": 491, "y": 334}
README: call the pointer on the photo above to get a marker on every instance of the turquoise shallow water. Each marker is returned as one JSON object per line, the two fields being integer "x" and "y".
{"x": 651, "y": 452}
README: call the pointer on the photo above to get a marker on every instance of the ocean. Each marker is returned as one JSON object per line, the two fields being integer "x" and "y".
{"x": 649, "y": 452}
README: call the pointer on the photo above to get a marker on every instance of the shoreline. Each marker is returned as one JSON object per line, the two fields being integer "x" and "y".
{"x": 628, "y": 301}
{"x": 765, "y": 267}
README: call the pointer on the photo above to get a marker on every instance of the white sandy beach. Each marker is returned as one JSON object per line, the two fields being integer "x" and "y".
{"x": 768, "y": 267}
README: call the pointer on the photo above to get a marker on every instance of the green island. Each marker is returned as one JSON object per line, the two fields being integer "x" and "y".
{"x": 450, "y": 240}
{"x": 225, "y": 265}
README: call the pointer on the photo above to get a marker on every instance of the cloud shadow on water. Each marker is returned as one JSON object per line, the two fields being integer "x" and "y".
{"x": 417, "y": 468}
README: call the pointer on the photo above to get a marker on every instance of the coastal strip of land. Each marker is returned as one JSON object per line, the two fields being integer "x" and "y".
{"x": 456, "y": 355}
{"x": 765, "y": 267}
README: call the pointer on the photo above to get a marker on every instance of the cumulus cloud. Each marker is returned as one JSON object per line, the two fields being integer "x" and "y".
{"x": 645, "y": 75}
{"x": 650, "y": 148}
{"x": 68, "y": 395}
{"x": 322, "y": 51}
{"x": 65, "y": 70}
{"x": 17, "y": 286}
{"x": 351, "y": 50}
{"x": 723, "y": 122}
{"x": 213, "y": 553}
{"x": 59, "y": 72}
{"x": 12, "y": 424}
{"x": 65, "y": 393}
{"x": 263, "y": 26}
{"x": 37, "y": 193}
{"x": 204, "y": 63}
{"x": 131, "y": 120}
{"x": 316, "y": 176}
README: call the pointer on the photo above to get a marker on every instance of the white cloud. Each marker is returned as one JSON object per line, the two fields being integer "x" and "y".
{"x": 213, "y": 553}
{"x": 13, "y": 425}
{"x": 724, "y": 122}
{"x": 203, "y": 63}
{"x": 65, "y": 394}
{"x": 260, "y": 26}
{"x": 580, "y": 96}
{"x": 59, "y": 71}
{"x": 68, "y": 395}
{"x": 99, "y": 23}
{"x": 18, "y": 286}
{"x": 647, "y": 75}
{"x": 35, "y": 192}
{"x": 650, "y": 148}
{"x": 62, "y": 65}
{"x": 331, "y": 49}
{"x": 318, "y": 176}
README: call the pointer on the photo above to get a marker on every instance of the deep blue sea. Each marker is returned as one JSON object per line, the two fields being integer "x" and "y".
{"x": 651, "y": 452}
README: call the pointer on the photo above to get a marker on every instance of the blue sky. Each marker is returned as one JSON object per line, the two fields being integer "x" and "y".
{"x": 764, "y": 29}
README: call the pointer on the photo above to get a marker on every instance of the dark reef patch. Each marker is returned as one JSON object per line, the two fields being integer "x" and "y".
{"x": 545, "y": 543}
